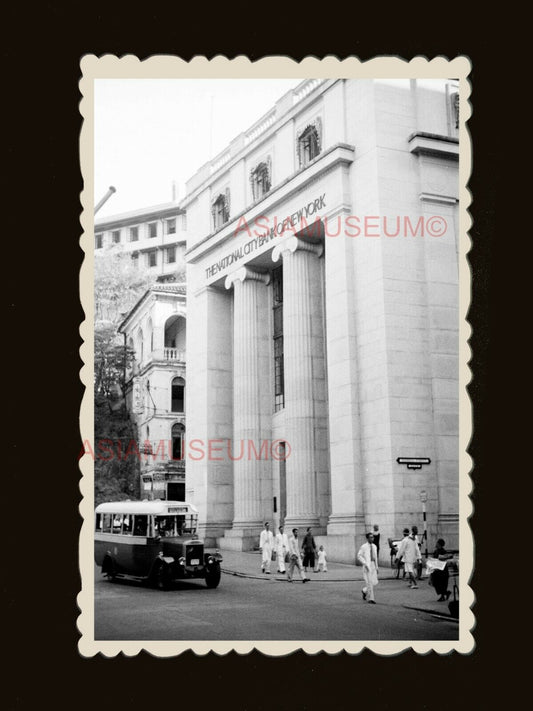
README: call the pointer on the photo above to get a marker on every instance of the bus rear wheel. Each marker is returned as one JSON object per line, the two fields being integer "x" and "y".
{"x": 108, "y": 569}
{"x": 212, "y": 576}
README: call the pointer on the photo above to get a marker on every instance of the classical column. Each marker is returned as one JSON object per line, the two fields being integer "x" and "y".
{"x": 249, "y": 293}
{"x": 302, "y": 503}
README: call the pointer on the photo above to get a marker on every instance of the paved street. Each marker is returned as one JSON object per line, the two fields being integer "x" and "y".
{"x": 263, "y": 609}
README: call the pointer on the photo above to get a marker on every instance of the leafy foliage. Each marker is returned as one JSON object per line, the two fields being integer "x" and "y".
{"x": 117, "y": 287}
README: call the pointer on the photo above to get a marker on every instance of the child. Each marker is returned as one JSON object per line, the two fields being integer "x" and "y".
{"x": 322, "y": 566}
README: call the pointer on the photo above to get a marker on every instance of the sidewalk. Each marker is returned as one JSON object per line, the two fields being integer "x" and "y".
{"x": 248, "y": 565}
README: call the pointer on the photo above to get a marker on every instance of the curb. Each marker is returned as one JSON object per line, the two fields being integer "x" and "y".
{"x": 278, "y": 579}
{"x": 253, "y": 576}
{"x": 434, "y": 613}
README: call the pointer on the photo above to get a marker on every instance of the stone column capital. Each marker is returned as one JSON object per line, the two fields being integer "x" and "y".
{"x": 243, "y": 274}
{"x": 295, "y": 244}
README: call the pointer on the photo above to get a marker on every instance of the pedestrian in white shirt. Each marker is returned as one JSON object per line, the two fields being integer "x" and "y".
{"x": 410, "y": 551}
{"x": 368, "y": 557}
{"x": 282, "y": 548}
{"x": 295, "y": 560}
{"x": 266, "y": 544}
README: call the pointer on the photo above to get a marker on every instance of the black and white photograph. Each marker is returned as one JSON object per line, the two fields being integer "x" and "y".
{"x": 275, "y": 422}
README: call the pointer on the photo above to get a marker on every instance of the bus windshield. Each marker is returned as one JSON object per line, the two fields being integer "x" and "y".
{"x": 175, "y": 525}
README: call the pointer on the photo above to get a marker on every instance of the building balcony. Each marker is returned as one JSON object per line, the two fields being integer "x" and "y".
{"x": 172, "y": 354}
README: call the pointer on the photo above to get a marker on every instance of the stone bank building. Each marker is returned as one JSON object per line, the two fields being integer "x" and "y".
{"x": 322, "y": 302}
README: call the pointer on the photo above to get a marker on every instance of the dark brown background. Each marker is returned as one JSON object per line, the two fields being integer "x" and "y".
{"x": 42, "y": 52}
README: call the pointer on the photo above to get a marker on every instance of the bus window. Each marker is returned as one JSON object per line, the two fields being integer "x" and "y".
{"x": 98, "y": 526}
{"x": 140, "y": 526}
{"x": 166, "y": 526}
{"x": 117, "y": 523}
{"x": 190, "y": 524}
{"x": 127, "y": 525}
{"x": 106, "y": 528}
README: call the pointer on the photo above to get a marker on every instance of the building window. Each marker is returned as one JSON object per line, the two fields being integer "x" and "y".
{"x": 99, "y": 241}
{"x": 309, "y": 143}
{"x": 152, "y": 259}
{"x": 178, "y": 395}
{"x": 171, "y": 226}
{"x": 178, "y": 432}
{"x": 260, "y": 178}
{"x": 279, "y": 382}
{"x": 134, "y": 234}
{"x": 220, "y": 210}
{"x": 183, "y": 222}
{"x": 171, "y": 255}
{"x": 115, "y": 236}
{"x": 455, "y": 108}
{"x": 152, "y": 230}
{"x": 135, "y": 259}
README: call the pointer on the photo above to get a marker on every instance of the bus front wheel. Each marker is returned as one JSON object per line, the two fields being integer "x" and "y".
{"x": 212, "y": 576}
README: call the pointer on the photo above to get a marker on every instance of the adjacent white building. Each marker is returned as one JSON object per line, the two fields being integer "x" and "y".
{"x": 155, "y": 237}
{"x": 155, "y": 333}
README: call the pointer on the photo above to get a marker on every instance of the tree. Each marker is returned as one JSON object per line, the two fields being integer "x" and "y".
{"x": 117, "y": 287}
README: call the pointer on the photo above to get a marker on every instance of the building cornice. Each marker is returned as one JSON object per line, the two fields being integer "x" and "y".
{"x": 250, "y": 146}
{"x": 164, "y": 289}
{"x": 434, "y": 145}
{"x": 136, "y": 217}
{"x": 322, "y": 164}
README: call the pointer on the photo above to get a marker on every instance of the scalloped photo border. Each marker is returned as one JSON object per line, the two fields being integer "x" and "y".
{"x": 170, "y": 67}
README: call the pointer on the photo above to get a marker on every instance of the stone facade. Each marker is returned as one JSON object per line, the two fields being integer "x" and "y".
{"x": 363, "y": 222}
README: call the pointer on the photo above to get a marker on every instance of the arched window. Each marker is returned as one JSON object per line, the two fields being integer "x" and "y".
{"x": 260, "y": 178}
{"x": 140, "y": 345}
{"x": 150, "y": 336}
{"x": 220, "y": 210}
{"x": 178, "y": 395}
{"x": 309, "y": 143}
{"x": 130, "y": 356}
{"x": 175, "y": 337}
{"x": 178, "y": 433}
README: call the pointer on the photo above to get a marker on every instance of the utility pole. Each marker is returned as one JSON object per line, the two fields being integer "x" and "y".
{"x": 423, "y": 499}
{"x": 105, "y": 198}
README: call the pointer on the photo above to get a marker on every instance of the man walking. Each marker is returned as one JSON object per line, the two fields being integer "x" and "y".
{"x": 266, "y": 543}
{"x": 282, "y": 548}
{"x": 294, "y": 557}
{"x": 410, "y": 551}
{"x": 368, "y": 557}
{"x": 414, "y": 532}
{"x": 309, "y": 550}
{"x": 377, "y": 537}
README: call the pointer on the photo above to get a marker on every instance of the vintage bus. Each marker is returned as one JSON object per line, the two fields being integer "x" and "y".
{"x": 154, "y": 541}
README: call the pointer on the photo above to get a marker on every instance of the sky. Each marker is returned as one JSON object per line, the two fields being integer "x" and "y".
{"x": 150, "y": 133}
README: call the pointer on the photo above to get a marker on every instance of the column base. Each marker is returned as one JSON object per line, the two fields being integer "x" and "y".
{"x": 240, "y": 538}
{"x": 209, "y": 532}
{"x": 448, "y": 528}
{"x": 302, "y": 523}
{"x": 346, "y": 534}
